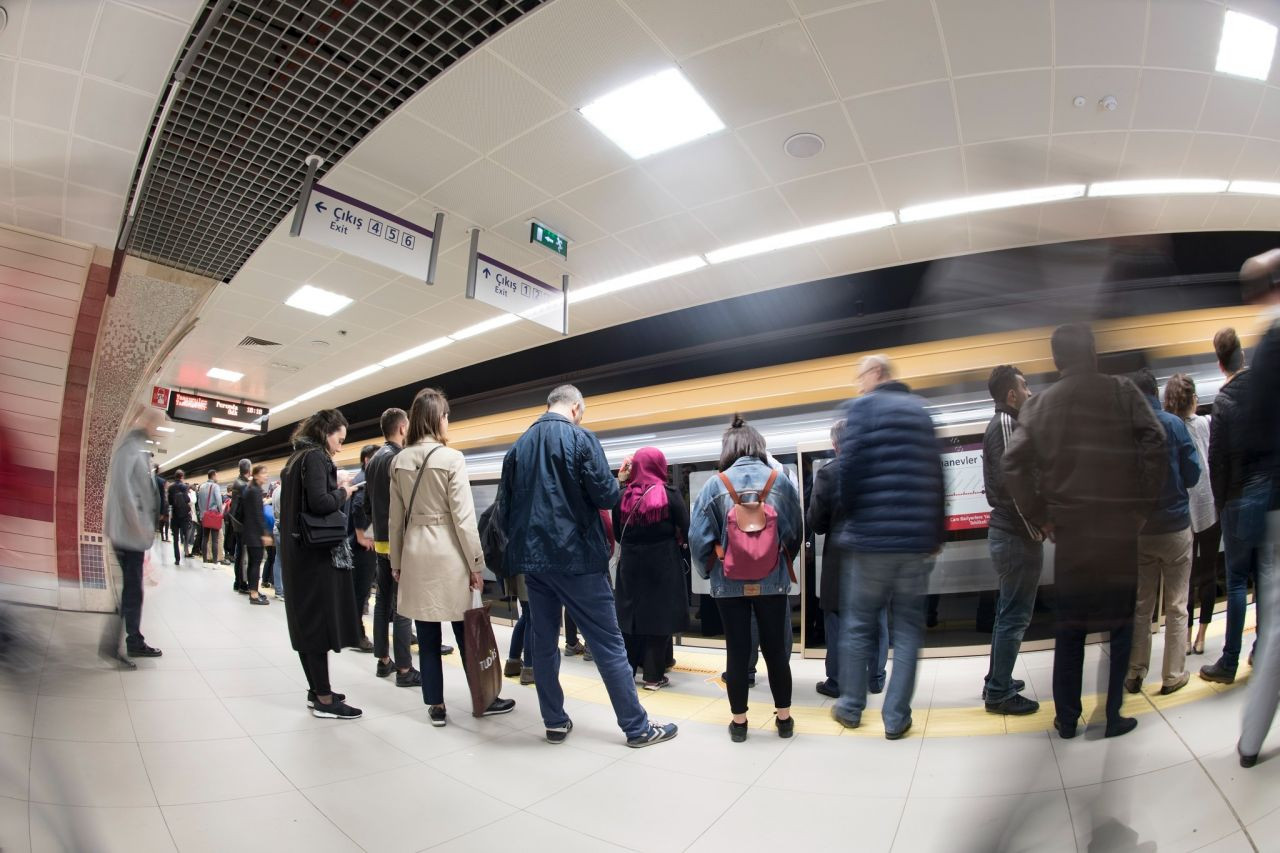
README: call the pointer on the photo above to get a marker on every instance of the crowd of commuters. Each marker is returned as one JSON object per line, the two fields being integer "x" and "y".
{"x": 1134, "y": 492}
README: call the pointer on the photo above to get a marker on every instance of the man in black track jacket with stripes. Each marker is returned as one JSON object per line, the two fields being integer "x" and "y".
{"x": 1017, "y": 549}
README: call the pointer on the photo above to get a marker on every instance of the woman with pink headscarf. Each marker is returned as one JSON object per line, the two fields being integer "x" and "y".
{"x": 651, "y": 525}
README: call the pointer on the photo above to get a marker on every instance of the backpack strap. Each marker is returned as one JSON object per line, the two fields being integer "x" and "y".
{"x": 733, "y": 494}
{"x": 768, "y": 485}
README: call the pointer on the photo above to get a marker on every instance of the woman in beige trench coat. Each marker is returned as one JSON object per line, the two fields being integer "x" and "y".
{"x": 435, "y": 547}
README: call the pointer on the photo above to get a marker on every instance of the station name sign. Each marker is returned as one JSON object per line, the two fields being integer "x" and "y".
{"x": 202, "y": 410}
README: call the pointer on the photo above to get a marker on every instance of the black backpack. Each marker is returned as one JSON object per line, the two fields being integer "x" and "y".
{"x": 493, "y": 540}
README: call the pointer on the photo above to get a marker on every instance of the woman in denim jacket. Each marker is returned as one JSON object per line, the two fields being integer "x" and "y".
{"x": 744, "y": 460}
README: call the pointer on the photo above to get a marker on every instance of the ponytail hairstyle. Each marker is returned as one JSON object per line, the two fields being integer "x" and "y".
{"x": 739, "y": 440}
{"x": 1226, "y": 344}
{"x": 1180, "y": 395}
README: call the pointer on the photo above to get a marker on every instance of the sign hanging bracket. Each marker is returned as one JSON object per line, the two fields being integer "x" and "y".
{"x": 314, "y": 162}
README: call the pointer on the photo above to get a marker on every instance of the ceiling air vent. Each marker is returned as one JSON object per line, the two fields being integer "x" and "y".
{"x": 285, "y": 366}
{"x": 251, "y": 342}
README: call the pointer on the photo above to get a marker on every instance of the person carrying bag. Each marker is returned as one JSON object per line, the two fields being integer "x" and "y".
{"x": 437, "y": 560}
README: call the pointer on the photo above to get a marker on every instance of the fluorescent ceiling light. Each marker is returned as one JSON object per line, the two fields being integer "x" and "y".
{"x": 1256, "y": 187}
{"x": 355, "y": 375}
{"x": 1246, "y": 47}
{"x": 991, "y": 201}
{"x": 314, "y": 392}
{"x": 1157, "y": 186}
{"x": 287, "y": 404}
{"x": 653, "y": 114}
{"x": 229, "y": 375}
{"x": 637, "y": 278}
{"x": 421, "y": 349}
{"x": 318, "y": 301}
{"x": 219, "y": 434}
{"x": 800, "y": 236}
{"x": 486, "y": 326}
{"x": 165, "y": 429}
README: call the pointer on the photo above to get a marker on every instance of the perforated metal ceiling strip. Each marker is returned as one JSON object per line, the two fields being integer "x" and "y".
{"x": 277, "y": 80}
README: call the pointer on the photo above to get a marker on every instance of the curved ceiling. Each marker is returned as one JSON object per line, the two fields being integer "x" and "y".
{"x": 917, "y": 101}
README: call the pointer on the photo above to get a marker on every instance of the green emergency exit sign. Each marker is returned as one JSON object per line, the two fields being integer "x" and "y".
{"x": 539, "y": 233}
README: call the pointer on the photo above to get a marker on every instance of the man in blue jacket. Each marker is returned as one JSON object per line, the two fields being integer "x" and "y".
{"x": 890, "y": 471}
{"x": 1164, "y": 553}
{"x": 555, "y": 481}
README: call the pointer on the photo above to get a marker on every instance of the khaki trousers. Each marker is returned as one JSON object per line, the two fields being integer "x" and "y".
{"x": 1167, "y": 557}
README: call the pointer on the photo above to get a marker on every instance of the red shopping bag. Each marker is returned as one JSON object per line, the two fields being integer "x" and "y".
{"x": 482, "y": 660}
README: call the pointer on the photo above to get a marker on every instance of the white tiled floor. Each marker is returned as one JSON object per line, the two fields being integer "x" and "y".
{"x": 211, "y": 748}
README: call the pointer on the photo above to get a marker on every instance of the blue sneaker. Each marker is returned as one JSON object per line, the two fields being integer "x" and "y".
{"x": 656, "y": 734}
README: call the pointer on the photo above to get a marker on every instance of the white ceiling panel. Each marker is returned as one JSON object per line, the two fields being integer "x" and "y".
{"x": 999, "y": 106}
{"x": 290, "y": 258}
{"x": 995, "y": 35}
{"x": 1266, "y": 216}
{"x": 997, "y": 166}
{"x": 1001, "y": 229}
{"x": 1085, "y": 157}
{"x": 1267, "y": 122}
{"x": 747, "y": 217}
{"x": 880, "y": 45}
{"x": 404, "y": 296}
{"x": 94, "y": 207}
{"x": 8, "y": 69}
{"x": 39, "y": 149}
{"x": 1212, "y": 154}
{"x": 113, "y": 115}
{"x": 667, "y": 239}
{"x": 829, "y": 121}
{"x": 1093, "y": 84}
{"x": 835, "y": 195}
{"x": 557, "y": 216}
{"x": 921, "y": 241}
{"x": 1132, "y": 215}
{"x": 100, "y": 166}
{"x": 565, "y": 153}
{"x": 1170, "y": 100}
{"x": 45, "y": 96}
{"x": 1232, "y": 104}
{"x": 410, "y": 154}
{"x": 382, "y": 194}
{"x": 37, "y": 220}
{"x": 37, "y": 193}
{"x": 604, "y": 259}
{"x": 486, "y": 193}
{"x": 1154, "y": 154}
{"x": 686, "y": 28}
{"x": 1187, "y": 213}
{"x": 621, "y": 200}
{"x": 1183, "y": 34}
{"x": 151, "y": 39}
{"x": 761, "y": 75}
{"x": 1259, "y": 159}
{"x": 788, "y": 266}
{"x": 707, "y": 170}
{"x": 11, "y": 37}
{"x": 919, "y": 178}
{"x": 483, "y": 102}
{"x": 904, "y": 121}
{"x": 586, "y": 49}
{"x": 1099, "y": 32}
{"x": 859, "y": 252}
{"x": 349, "y": 280}
{"x": 243, "y": 304}
{"x": 91, "y": 234}
{"x": 57, "y": 33}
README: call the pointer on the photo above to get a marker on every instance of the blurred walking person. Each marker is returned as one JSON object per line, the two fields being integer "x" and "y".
{"x": 130, "y": 522}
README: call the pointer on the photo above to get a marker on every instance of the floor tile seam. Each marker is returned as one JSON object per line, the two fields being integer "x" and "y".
{"x": 147, "y": 770}
{"x": 529, "y": 808}
{"x": 746, "y": 790}
{"x": 915, "y": 771}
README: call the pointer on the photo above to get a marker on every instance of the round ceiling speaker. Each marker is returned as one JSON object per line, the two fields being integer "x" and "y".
{"x": 804, "y": 145}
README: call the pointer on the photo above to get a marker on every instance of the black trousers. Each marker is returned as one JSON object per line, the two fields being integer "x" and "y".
{"x": 315, "y": 666}
{"x": 181, "y": 547}
{"x": 1068, "y": 670}
{"x": 253, "y": 565}
{"x": 131, "y": 598}
{"x": 385, "y": 616}
{"x": 268, "y": 566}
{"x": 429, "y": 658}
{"x": 649, "y": 653}
{"x": 364, "y": 571}
{"x": 772, "y": 616}
{"x": 1204, "y": 574}
{"x": 570, "y": 631}
{"x": 162, "y": 527}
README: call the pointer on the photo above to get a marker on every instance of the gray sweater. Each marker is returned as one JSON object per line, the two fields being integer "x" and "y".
{"x": 131, "y": 496}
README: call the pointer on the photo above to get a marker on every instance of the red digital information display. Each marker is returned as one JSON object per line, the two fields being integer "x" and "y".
{"x": 203, "y": 410}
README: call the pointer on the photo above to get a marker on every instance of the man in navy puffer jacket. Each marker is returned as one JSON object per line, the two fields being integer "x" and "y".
{"x": 890, "y": 472}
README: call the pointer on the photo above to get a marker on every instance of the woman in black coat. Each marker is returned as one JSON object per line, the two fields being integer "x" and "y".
{"x": 253, "y": 532}
{"x": 652, "y": 527}
{"x": 322, "y": 607}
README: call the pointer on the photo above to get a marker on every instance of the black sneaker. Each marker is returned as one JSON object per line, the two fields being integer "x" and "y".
{"x": 657, "y": 685}
{"x": 412, "y": 678}
{"x": 559, "y": 734}
{"x": 1015, "y": 706}
{"x": 828, "y": 688}
{"x": 1133, "y": 685}
{"x": 511, "y": 669}
{"x": 499, "y": 706}
{"x": 385, "y": 669}
{"x": 336, "y": 710}
{"x": 143, "y": 651}
{"x": 437, "y": 715}
{"x": 737, "y": 732}
{"x": 261, "y": 600}
{"x": 364, "y": 645}
{"x": 1066, "y": 731}
{"x": 574, "y": 650}
{"x": 787, "y": 727}
{"x": 444, "y": 650}
{"x": 656, "y": 734}
{"x": 899, "y": 734}
{"x": 1218, "y": 673}
{"x": 1017, "y": 684}
{"x": 845, "y": 721}
{"x": 1120, "y": 726}
{"x": 311, "y": 698}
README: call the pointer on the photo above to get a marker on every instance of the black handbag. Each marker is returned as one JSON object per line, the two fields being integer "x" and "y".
{"x": 320, "y": 531}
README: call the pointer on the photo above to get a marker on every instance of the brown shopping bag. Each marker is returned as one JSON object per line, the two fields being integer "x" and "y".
{"x": 481, "y": 661}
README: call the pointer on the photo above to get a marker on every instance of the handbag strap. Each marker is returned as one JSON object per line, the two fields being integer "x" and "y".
{"x": 408, "y": 508}
{"x": 632, "y": 514}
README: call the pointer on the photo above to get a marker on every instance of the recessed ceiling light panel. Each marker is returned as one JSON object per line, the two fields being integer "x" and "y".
{"x": 990, "y": 201}
{"x": 228, "y": 375}
{"x": 317, "y": 301}
{"x": 1247, "y": 46}
{"x": 653, "y": 114}
{"x": 1157, "y": 186}
{"x": 165, "y": 429}
{"x": 801, "y": 236}
{"x": 1256, "y": 187}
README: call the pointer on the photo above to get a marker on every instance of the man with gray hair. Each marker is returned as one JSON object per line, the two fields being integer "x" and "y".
{"x": 130, "y": 522}
{"x": 555, "y": 482}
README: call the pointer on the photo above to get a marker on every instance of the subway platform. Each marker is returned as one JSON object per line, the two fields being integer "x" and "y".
{"x": 211, "y": 748}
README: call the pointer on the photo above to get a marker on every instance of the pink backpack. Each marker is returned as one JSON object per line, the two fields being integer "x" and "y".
{"x": 751, "y": 548}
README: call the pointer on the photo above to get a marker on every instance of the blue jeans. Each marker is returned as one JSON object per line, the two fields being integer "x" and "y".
{"x": 521, "y": 645}
{"x": 869, "y": 582}
{"x": 278, "y": 581}
{"x": 875, "y": 671}
{"x": 1017, "y": 561}
{"x": 589, "y": 600}
{"x": 1242, "y": 565}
